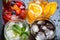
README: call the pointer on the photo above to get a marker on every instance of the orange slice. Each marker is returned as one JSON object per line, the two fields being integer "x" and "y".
{"x": 34, "y": 11}
{"x": 50, "y": 9}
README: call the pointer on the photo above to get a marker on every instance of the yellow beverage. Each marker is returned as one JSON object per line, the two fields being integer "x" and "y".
{"x": 34, "y": 11}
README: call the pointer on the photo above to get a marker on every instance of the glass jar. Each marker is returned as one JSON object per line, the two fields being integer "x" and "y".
{"x": 43, "y": 29}
{"x": 12, "y": 8}
{"x": 16, "y": 30}
{"x": 33, "y": 11}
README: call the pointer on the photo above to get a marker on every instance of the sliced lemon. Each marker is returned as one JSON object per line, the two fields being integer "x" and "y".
{"x": 50, "y": 9}
{"x": 31, "y": 17}
{"x": 43, "y": 4}
{"x": 34, "y": 11}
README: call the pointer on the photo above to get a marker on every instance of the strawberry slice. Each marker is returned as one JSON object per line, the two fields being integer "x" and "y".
{"x": 23, "y": 14}
{"x": 19, "y": 3}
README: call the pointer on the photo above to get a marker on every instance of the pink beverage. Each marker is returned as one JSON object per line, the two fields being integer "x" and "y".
{"x": 13, "y": 9}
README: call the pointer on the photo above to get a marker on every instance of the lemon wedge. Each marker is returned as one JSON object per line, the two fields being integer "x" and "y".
{"x": 34, "y": 11}
{"x": 50, "y": 9}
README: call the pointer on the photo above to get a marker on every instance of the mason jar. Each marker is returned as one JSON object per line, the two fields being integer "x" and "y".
{"x": 13, "y": 8}
{"x": 16, "y": 30}
{"x": 42, "y": 29}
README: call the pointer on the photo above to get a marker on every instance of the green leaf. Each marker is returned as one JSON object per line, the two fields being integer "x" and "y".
{"x": 24, "y": 25}
{"x": 24, "y": 37}
{"x": 17, "y": 26}
{"x": 26, "y": 33}
{"x": 16, "y": 30}
{"x": 23, "y": 29}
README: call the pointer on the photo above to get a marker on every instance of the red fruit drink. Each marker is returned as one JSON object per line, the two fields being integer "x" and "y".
{"x": 13, "y": 9}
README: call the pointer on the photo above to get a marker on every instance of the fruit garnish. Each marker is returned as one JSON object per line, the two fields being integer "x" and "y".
{"x": 31, "y": 18}
{"x": 19, "y": 3}
{"x": 17, "y": 29}
{"x": 7, "y": 15}
{"x": 21, "y": 31}
{"x": 34, "y": 11}
{"x": 22, "y": 14}
{"x": 15, "y": 7}
{"x": 33, "y": 8}
{"x": 50, "y": 9}
{"x": 12, "y": 3}
{"x": 13, "y": 13}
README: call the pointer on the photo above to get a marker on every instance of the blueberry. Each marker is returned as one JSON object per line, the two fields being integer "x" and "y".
{"x": 12, "y": 3}
{"x": 13, "y": 12}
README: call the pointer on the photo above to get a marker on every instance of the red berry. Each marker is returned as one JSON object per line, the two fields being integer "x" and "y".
{"x": 19, "y": 3}
{"x": 6, "y": 16}
{"x": 18, "y": 12}
{"x": 23, "y": 14}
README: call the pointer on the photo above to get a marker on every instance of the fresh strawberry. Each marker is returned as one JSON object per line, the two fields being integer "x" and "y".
{"x": 19, "y": 3}
{"x": 23, "y": 14}
{"x": 18, "y": 12}
{"x": 6, "y": 16}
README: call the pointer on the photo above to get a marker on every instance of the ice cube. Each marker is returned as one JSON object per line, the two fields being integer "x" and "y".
{"x": 21, "y": 24}
{"x": 10, "y": 34}
{"x": 44, "y": 27}
{"x": 35, "y": 28}
{"x": 40, "y": 36}
{"x": 50, "y": 34}
{"x": 40, "y": 22}
{"x": 17, "y": 37}
{"x": 11, "y": 23}
{"x": 27, "y": 29}
{"x": 14, "y": 17}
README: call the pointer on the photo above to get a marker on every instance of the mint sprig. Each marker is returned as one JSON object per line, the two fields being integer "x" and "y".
{"x": 17, "y": 29}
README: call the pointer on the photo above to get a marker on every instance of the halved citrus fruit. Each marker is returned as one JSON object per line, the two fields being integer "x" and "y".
{"x": 50, "y": 9}
{"x": 34, "y": 11}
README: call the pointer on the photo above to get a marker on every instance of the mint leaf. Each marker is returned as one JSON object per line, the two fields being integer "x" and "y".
{"x": 16, "y": 26}
{"x": 16, "y": 30}
{"x": 24, "y": 37}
